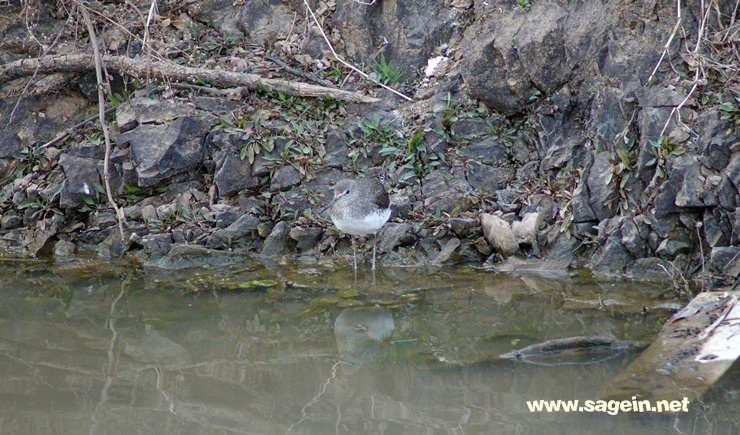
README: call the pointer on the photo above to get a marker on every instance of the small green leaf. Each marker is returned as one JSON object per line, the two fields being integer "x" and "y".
{"x": 98, "y": 187}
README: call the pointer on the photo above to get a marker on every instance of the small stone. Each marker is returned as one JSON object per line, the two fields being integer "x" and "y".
{"x": 305, "y": 238}
{"x": 149, "y": 213}
{"x": 276, "y": 242}
{"x": 11, "y": 222}
{"x": 64, "y": 250}
{"x": 462, "y": 227}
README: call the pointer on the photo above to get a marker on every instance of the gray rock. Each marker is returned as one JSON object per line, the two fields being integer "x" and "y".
{"x": 149, "y": 213}
{"x": 463, "y": 227}
{"x": 682, "y": 189}
{"x": 412, "y": 29}
{"x": 489, "y": 152}
{"x": 714, "y": 234}
{"x": 80, "y": 175}
{"x": 104, "y": 219}
{"x": 509, "y": 200}
{"x": 336, "y": 148}
{"x": 393, "y": 235}
{"x": 580, "y": 202}
{"x": 544, "y": 205}
{"x": 10, "y": 222}
{"x": 631, "y": 239}
{"x": 139, "y": 110}
{"x": 710, "y": 193}
{"x": 727, "y": 194}
{"x": 473, "y": 129}
{"x": 156, "y": 245}
{"x": 257, "y": 20}
{"x": 305, "y": 238}
{"x": 446, "y": 191}
{"x": 692, "y": 185}
{"x": 225, "y": 218}
{"x": 600, "y": 191}
{"x": 284, "y": 178}
{"x": 487, "y": 179}
{"x": 10, "y": 144}
{"x": 161, "y": 151}
{"x": 670, "y": 248}
{"x": 665, "y": 227}
{"x": 191, "y": 256}
{"x": 244, "y": 227}
{"x": 232, "y": 173}
{"x": 714, "y": 141}
{"x": 64, "y": 250}
{"x": 447, "y": 251}
{"x": 277, "y": 242}
{"x": 612, "y": 257}
{"x": 650, "y": 267}
{"x": 726, "y": 260}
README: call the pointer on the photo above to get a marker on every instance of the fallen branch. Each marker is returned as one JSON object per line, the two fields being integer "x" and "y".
{"x": 138, "y": 68}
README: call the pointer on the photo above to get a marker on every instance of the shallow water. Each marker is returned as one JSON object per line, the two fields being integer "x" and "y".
{"x": 297, "y": 348}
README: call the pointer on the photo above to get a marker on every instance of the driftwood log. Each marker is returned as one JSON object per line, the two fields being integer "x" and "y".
{"x": 172, "y": 71}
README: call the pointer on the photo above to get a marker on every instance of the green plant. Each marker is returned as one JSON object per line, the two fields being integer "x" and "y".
{"x": 259, "y": 140}
{"x": 334, "y": 72}
{"x": 502, "y": 130}
{"x": 135, "y": 193}
{"x": 90, "y": 202}
{"x": 524, "y": 4}
{"x": 32, "y": 161}
{"x": 622, "y": 169}
{"x": 119, "y": 98}
{"x": 412, "y": 157}
{"x": 389, "y": 73}
{"x": 374, "y": 131}
{"x": 660, "y": 149}
{"x": 731, "y": 110}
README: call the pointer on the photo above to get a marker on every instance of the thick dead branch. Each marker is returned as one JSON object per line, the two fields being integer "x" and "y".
{"x": 138, "y": 68}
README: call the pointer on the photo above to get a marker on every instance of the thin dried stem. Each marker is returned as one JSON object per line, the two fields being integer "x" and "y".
{"x": 101, "y": 117}
{"x": 347, "y": 64}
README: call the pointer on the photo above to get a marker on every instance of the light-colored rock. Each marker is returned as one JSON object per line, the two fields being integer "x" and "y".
{"x": 525, "y": 231}
{"x": 498, "y": 233}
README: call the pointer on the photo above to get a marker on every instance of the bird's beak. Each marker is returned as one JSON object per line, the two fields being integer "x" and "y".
{"x": 328, "y": 205}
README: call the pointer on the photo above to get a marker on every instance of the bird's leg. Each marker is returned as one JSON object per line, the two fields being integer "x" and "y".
{"x": 375, "y": 245}
{"x": 354, "y": 250}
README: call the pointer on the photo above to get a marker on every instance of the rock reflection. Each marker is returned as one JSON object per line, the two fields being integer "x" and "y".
{"x": 361, "y": 334}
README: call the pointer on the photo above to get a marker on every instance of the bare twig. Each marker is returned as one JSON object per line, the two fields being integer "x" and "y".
{"x": 347, "y": 64}
{"x": 668, "y": 43}
{"x": 101, "y": 116}
{"x": 298, "y": 73}
{"x": 77, "y": 126}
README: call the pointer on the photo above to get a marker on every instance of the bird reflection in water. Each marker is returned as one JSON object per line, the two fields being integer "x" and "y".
{"x": 361, "y": 335}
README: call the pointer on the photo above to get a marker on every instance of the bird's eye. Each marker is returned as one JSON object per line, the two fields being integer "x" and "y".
{"x": 346, "y": 192}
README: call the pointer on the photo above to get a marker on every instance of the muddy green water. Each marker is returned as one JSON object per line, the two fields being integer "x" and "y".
{"x": 295, "y": 348}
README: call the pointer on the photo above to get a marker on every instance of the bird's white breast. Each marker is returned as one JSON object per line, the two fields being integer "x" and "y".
{"x": 366, "y": 225}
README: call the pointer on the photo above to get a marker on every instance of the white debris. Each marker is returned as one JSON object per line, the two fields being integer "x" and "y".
{"x": 432, "y": 65}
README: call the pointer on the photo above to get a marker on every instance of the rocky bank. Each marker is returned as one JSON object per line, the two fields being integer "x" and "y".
{"x": 601, "y": 134}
